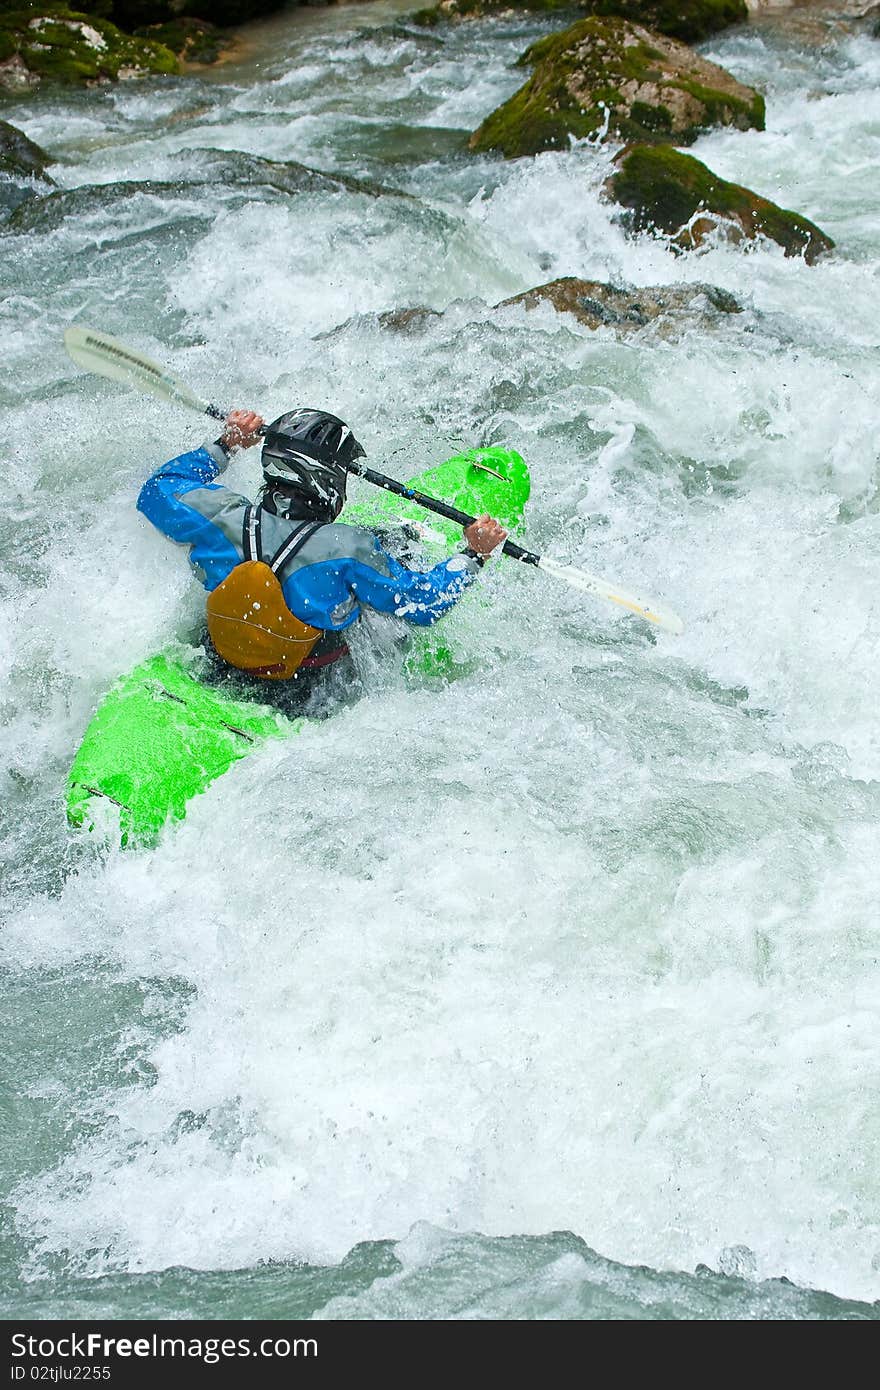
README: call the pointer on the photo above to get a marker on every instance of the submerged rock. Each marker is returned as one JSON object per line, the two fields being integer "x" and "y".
{"x": 45, "y": 214}
{"x": 198, "y": 168}
{"x": 667, "y": 191}
{"x": 236, "y": 167}
{"x": 612, "y": 77}
{"x": 51, "y": 42}
{"x": 689, "y": 20}
{"x": 596, "y": 304}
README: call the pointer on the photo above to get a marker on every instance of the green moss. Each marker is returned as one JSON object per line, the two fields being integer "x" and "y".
{"x": 55, "y": 43}
{"x": 664, "y": 189}
{"x": 751, "y": 114}
{"x": 528, "y": 123}
{"x": 578, "y": 83}
{"x": 538, "y": 51}
{"x": 688, "y": 20}
{"x": 656, "y": 118}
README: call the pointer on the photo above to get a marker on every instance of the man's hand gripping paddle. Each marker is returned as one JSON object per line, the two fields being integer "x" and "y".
{"x": 105, "y": 356}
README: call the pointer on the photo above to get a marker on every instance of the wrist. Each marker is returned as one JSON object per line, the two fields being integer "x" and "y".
{"x": 474, "y": 555}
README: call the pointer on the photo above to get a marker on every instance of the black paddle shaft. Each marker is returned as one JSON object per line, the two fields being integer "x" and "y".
{"x": 421, "y": 499}
{"x": 432, "y": 504}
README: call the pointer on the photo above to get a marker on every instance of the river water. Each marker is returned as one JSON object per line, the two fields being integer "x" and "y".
{"x": 548, "y": 992}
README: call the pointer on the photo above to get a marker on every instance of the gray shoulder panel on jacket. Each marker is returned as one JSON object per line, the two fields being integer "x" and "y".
{"x": 353, "y": 541}
{"x": 224, "y": 508}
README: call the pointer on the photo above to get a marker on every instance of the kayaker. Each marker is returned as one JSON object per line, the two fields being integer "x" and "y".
{"x": 285, "y": 578}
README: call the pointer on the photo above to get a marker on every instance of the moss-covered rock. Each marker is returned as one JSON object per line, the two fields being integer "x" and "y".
{"x": 673, "y": 193}
{"x": 598, "y": 305}
{"x": 610, "y": 76}
{"x": 689, "y": 20}
{"x": 193, "y": 40}
{"x": 50, "y": 42}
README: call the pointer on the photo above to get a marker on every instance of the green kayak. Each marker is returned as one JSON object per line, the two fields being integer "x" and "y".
{"x": 161, "y": 736}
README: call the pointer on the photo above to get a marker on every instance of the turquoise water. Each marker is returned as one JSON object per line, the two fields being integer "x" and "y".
{"x": 550, "y": 992}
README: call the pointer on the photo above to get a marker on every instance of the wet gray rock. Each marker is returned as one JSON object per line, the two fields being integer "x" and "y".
{"x": 596, "y": 305}
{"x": 19, "y": 155}
{"x": 593, "y": 303}
{"x": 409, "y": 320}
{"x": 22, "y": 169}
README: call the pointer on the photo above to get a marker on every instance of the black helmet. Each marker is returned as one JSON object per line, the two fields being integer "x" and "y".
{"x": 308, "y": 451}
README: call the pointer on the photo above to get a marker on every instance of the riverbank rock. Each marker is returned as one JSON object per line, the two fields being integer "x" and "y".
{"x": 597, "y": 305}
{"x": 607, "y": 76}
{"x": 52, "y": 43}
{"x": 191, "y": 40}
{"x": 689, "y": 20}
{"x": 673, "y": 193}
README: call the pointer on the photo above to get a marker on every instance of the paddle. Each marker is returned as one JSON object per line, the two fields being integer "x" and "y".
{"x": 105, "y": 356}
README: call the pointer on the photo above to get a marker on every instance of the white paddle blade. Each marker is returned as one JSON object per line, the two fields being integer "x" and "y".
{"x": 600, "y": 588}
{"x": 105, "y": 356}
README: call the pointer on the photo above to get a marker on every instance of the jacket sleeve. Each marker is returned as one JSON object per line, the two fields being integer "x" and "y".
{"x": 389, "y": 587}
{"x": 162, "y": 496}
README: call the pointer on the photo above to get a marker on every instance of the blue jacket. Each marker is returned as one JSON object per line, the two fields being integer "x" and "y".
{"x": 339, "y": 570}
